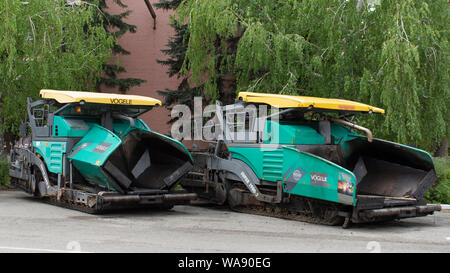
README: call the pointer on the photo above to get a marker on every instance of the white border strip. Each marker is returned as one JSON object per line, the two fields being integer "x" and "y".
{"x": 40, "y": 250}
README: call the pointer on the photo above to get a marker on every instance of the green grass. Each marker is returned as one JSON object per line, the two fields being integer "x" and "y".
{"x": 440, "y": 191}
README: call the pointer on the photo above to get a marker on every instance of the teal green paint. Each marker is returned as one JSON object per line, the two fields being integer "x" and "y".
{"x": 62, "y": 128}
{"x": 272, "y": 164}
{"x": 342, "y": 134}
{"x": 248, "y": 158}
{"x": 303, "y": 134}
{"x": 95, "y": 136}
{"x": 309, "y": 163}
{"x": 266, "y": 163}
{"x": 94, "y": 174}
{"x": 275, "y": 164}
{"x": 52, "y": 152}
{"x": 291, "y": 133}
{"x": 88, "y": 161}
{"x": 141, "y": 124}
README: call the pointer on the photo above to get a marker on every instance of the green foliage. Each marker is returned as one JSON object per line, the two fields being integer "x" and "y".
{"x": 4, "y": 172}
{"x": 47, "y": 44}
{"x": 209, "y": 21}
{"x": 440, "y": 191}
{"x": 393, "y": 55}
{"x": 167, "y": 4}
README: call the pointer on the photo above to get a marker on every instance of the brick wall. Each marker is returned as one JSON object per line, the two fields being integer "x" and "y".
{"x": 145, "y": 46}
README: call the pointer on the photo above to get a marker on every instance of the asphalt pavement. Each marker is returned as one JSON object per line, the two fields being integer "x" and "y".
{"x": 29, "y": 225}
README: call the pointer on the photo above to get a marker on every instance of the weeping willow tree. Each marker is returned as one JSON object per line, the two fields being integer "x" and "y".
{"x": 391, "y": 54}
{"x": 47, "y": 44}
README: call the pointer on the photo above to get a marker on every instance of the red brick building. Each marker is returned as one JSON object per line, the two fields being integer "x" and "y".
{"x": 145, "y": 46}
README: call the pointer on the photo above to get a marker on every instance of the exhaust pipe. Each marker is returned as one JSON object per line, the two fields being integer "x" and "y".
{"x": 352, "y": 125}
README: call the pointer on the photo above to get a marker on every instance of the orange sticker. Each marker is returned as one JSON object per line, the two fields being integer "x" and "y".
{"x": 346, "y": 107}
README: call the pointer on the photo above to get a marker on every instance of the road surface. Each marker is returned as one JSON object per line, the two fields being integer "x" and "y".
{"x": 28, "y": 225}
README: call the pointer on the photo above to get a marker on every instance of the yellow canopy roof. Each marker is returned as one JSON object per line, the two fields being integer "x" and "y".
{"x": 287, "y": 101}
{"x": 102, "y": 98}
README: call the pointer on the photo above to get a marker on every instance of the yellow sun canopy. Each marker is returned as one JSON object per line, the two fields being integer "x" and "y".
{"x": 101, "y": 98}
{"x": 287, "y": 101}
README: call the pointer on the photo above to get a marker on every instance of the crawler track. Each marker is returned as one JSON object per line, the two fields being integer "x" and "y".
{"x": 295, "y": 208}
{"x": 89, "y": 210}
{"x": 73, "y": 206}
{"x": 286, "y": 214}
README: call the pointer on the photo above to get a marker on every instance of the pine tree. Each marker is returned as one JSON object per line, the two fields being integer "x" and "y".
{"x": 176, "y": 51}
{"x": 110, "y": 23}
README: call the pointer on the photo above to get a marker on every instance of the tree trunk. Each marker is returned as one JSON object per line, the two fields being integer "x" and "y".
{"x": 442, "y": 150}
{"x": 8, "y": 140}
{"x": 1, "y": 144}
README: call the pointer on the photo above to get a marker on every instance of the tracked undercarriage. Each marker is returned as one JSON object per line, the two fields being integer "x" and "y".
{"x": 237, "y": 197}
{"x": 292, "y": 208}
{"x": 90, "y": 152}
{"x": 303, "y": 164}
{"x": 83, "y": 196}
